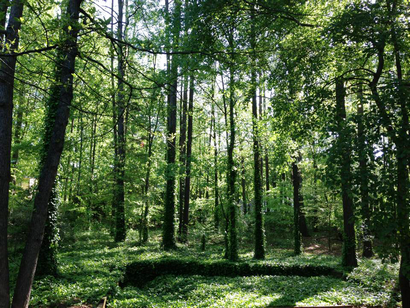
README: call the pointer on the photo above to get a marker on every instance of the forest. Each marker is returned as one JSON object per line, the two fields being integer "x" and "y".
{"x": 204, "y": 153}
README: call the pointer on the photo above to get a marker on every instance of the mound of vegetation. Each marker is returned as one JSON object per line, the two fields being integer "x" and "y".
{"x": 140, "y": 272}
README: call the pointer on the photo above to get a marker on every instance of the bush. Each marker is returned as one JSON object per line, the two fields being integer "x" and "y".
{"x": 140, "y": 272}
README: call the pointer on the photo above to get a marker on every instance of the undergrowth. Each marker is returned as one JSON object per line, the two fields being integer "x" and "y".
{"x": 93, "y": 267}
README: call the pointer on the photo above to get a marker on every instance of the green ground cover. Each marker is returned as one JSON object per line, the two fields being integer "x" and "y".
{"x": 94, "y": 266}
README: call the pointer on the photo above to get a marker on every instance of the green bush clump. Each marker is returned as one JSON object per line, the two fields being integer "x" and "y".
{"x": 140, "y": 272}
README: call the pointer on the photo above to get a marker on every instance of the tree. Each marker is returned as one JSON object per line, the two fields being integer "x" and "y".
{"x": 187, "y": 185}
{"x": 119, "y": 194}
{"x": 349, "y": 238}
{"x": 363, "y": 179}
{"x": 168, "y": 239}
{"x": 48, "y": 173}
{"x": 10, "y": 43}
{"x": 297, "y": 181}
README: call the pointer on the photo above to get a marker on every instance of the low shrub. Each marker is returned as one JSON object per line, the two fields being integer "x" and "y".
{"x": 140, "y": 272}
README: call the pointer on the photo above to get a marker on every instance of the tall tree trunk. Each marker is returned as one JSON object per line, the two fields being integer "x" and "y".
{"x": 216, "y": 188}
{"x": 7, "y": 70}
{"x": 168, "y": 238}
{"x": 119, "y": 193}
{"x": 315, "y": 220}
{"x": 349, "y": 237}
{"x": 403, "y": 165}
{"x": 363, "y": 178}
{"x": 47, "y": 259}
{"x": 267, "y": 170}
{"x": 147, "y": 185}
{"x": 231, "y": 176}
{"x": 114, "y": 124}
{"x": 208, "y": 146}
{"x": 93, "y": 146}
{"x": 302, "y": 218}
{"x": 259, "y": 252}
{"x": 296, "y": 208}
{"x": 182, "y": 156}
{"x": 403, "y": 218}
{"x": 80, "y": 162}
{"x": 260, "y": 147}
{"x": 188, "y": 161}
{"x": 49, "y": 170}
{"x": 243, "y": 184}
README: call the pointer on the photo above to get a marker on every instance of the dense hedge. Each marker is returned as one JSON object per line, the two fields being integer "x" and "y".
{"x": 140, "y": 272}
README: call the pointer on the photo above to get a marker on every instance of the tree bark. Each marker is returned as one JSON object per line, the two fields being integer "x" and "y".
{"x": 7, "y": 71}
{"x": 259, "y": 250}
{"x": 168, "y": 237}
{"x": 147, "y": 185}
{"x": 231, "y": 170}
{"x": 363, "y": 178}
{"x": 49, "y": 170}
{"x": 403, "y": 164}
{"x": 296, "y": 208}
{"x": 302, "y": 218}
{"x": 188, "y": 162}
{"x": 216, "y": 188}
{"x": 182, "y": 156}
{"x": 243, "y": 184}
{"x": 120, "y": 231}
{"x": 349, "y": 237}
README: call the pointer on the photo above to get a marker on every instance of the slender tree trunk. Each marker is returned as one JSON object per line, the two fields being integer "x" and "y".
{"x": 114, "y": 124}
{"x": 80, "y": 162}
{"x": 168, "y": 238}
{"x": 364, "y": 178}
{"x": 267, "y": 170}
{"x": 349, "y": 237}
{"x": 282, "y": 189}
{"x": 302, "y": 218}
{"x": 296, "y": 208}
{"x": 231, "y": 176}
{"x": 403, "y": 221}
{"x": 403, "y": 165}
{"x": 48, "y": 173}
{"x": 208, "y": 146}
{"x": 243, "y": 184}
{"x": 119, "y": 192}
{"x": 259, "y": 252}
{"x": 216, "y": 188}
{"x": 260, "y": 147}
{"x": 147, "y": 184}
{"x": 93, "y": 146}
{"x": 188, "y": 162}
{"x": 7, "y": 71}
{"x": 182, "y": 156}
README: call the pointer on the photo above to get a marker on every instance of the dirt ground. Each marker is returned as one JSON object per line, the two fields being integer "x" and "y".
{"x": 320, "y": 246}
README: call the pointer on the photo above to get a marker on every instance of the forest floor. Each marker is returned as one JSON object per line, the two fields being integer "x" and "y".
{"x": 92, "y": 267}
{"x": 320, "y": 246}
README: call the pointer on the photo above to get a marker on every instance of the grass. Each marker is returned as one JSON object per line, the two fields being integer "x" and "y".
{"x": 94, "y": 265}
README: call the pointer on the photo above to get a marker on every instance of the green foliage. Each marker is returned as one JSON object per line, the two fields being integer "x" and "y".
{"x": 254, "y": 291}
{"x": 94, "y": 266}
{"x": 139, "y": 273}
